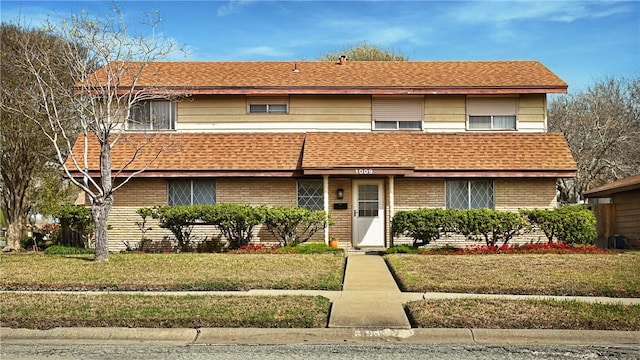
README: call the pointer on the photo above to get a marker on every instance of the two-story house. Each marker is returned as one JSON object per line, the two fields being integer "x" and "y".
{"x": 361, "y": 140}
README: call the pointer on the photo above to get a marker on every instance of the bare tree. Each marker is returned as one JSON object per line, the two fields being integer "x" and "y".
{"x": 100, "y": 102}
{"x": 27, "y": 158}
{"x": 602, "y": 127}
{"x": 364, "y": 52}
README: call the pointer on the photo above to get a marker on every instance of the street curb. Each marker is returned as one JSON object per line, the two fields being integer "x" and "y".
{"x": 182, "y": 335}
{"x": 326, "y": 336}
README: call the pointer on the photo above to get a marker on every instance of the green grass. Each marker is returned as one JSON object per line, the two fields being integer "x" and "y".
{"x": 535, "y": 274}
{"x": 523, "y": 314}
{"x": 45, "y": 311}
{"x": 172, "y": 272}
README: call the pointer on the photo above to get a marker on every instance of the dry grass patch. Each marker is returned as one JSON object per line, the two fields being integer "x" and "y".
{"x": 44, "y": 311}
{"x": 523, "y": 314}
{"x": 172, "y": 272}
{"x": 539, "y": 274}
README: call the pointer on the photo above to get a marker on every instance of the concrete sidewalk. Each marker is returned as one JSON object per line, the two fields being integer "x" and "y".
{"x": 370, "y": 297}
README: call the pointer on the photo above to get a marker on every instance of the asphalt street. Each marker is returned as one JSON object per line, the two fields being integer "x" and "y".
{"x": 369, "y": 351}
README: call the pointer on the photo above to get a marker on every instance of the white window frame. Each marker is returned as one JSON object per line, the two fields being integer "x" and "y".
{"x": 492, "y": 107}
{"x": 468, "y": 186}
{"x": 172, "y": 114}
{"x": 271, "y": 104}
{"x": 211, "y": 182}
{"x": 492, "y": 124}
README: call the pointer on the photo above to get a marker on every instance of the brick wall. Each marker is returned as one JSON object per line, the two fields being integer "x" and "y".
{"x": 142, "y": 192}
{"x": 418, "y": 193}
{"x": 514, "y": 194}
{"x": 341, "y": 227}
{"x": 266, "y": 191}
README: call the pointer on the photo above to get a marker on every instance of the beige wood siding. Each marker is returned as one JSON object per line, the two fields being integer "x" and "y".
{"x": 628, "y": 215}
{"x": 532, "y": 112}
{"x": 306, "y": 112}
{"x": 444, "y": 113}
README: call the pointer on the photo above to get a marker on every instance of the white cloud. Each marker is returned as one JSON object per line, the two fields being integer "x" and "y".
{"x": 560, "y": 11}
{"x": 233, "y": 6}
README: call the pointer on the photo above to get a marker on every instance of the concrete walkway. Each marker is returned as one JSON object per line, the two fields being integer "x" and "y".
{"x": 370, "y": 297}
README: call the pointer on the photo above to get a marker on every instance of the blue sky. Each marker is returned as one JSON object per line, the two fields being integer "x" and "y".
{"x": 581, "y": 41}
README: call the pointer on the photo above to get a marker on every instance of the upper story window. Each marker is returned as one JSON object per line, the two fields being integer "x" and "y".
{"x": 268, "y": 105}
{"x": 397, "y": 113}
{"x": 153, "y": 115}
{"x": 485, "y": 113}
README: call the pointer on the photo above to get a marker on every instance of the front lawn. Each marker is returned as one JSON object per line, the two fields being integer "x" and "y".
{"x": 523, "y": 314}
{"x": 172, "y": 272}
{"x": 45, "y": 311}
{"x": 613, "y": 275}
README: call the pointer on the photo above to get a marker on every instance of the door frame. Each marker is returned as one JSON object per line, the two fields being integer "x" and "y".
{"x": 356, "y": 237}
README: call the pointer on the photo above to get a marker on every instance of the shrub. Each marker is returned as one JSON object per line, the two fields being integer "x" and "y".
{"x": 293, "y": 225}
{"x": 67, "y": 250}
{"x": 571, "y": 224}
{"x": 490, "y": 225}
{"x": 78, "y": 219}
{"x": 546, "y": 220}
{"x": 180, "y": 221}
{"x": 235, "y": 222}
{"x": 424, "y": 225}
{"x": 578, "y": 225}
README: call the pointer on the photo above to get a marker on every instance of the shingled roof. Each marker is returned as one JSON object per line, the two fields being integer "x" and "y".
{"x": 357, "y": 77}
{"x": 290, "y": 154}
{"x": 622, "y": 185}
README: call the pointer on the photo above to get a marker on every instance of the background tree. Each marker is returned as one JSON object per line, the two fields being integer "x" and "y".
{"x": 100, "y": 102}
{"x": 364, "y": 52}
{"x": 602, "y": 127}
{"x": 30, "y": 178}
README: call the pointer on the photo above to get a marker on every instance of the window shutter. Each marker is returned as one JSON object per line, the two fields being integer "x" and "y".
{"x": 491, "y": 106}
{"x": 397, "y": 109}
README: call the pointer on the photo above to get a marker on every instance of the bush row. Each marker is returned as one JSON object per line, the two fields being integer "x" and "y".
{"x": 290, "y": 225}
{"x": 568, "y": 224}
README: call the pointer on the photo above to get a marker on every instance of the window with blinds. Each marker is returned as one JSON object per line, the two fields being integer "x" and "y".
{"x": 268, "y": 105}
{"x": 397, "y": 113}
{"x": 492, "y": 113}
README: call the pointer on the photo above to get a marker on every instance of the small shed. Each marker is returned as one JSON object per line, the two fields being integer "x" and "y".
{"x": 617, "y": 209}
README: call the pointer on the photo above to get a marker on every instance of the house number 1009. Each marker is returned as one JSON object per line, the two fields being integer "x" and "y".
{"x": 364, "y": 171}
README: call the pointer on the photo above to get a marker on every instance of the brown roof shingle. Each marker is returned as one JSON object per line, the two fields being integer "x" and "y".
{"x": 178, "y": 152}
{"x": 626, "y": 184}
{"x": 426, "y": 77}
{"x": 440, "y": 152}
{"x": 211, "y": 154}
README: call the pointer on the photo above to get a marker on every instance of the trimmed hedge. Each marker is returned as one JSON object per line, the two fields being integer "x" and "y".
{"x": 567, "y": 224}
{"x": 291, "y": 225}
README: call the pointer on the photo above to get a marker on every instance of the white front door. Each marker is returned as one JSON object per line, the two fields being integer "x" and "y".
{"x": 368, "y": 213}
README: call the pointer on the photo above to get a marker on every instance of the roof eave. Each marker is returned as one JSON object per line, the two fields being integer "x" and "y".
{"x": 364, "y": 90}
{"x": 610, "y": 192}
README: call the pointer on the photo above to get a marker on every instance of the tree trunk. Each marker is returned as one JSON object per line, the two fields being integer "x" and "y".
{"x": 16, "y": 230}
{"x": 100, "y": 212}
